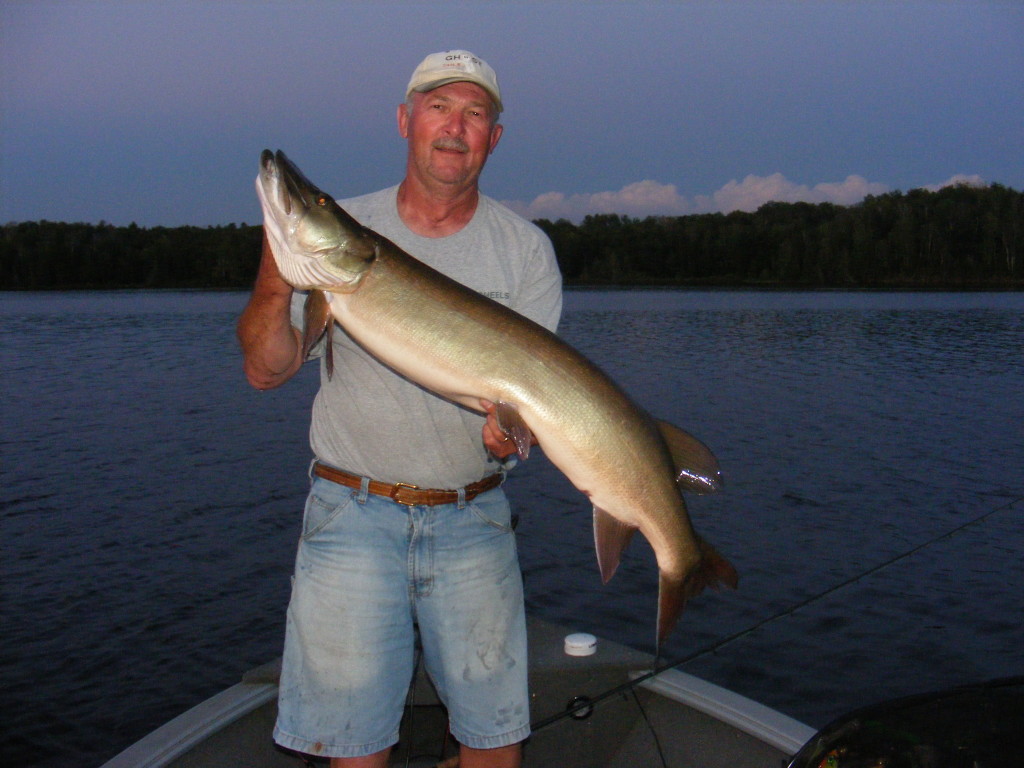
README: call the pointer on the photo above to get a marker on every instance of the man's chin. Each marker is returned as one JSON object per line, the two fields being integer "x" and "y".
{"x": 453, "y": 176}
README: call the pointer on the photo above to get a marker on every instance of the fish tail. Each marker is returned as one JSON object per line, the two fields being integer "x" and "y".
{"x": 713, "y": 571}
{"x": 671, "y": 601}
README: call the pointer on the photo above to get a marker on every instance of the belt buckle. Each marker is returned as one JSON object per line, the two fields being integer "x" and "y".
{"x": 397, "y": 489}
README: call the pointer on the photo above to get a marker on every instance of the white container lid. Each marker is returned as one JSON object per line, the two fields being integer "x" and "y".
{"x": 580, "y": 644}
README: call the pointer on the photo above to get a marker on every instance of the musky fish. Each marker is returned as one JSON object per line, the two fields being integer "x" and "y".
{"x": 466, "y": 347}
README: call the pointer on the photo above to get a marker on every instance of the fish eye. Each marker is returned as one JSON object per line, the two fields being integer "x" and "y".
{"x": 321, "y": 200}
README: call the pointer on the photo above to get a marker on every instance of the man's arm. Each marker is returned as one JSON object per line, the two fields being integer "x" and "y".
{"x": 270, "y": 345}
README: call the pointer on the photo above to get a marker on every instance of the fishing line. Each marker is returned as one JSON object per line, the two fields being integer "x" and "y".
{"x": 651, "y": 728}
{"x": 581, "y": 704}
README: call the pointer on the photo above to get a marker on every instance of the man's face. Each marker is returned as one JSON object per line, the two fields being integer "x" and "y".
{"x": 450, "y": 132}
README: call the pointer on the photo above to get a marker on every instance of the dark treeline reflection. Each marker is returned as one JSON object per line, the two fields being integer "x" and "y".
{"x": 959, "y": 236}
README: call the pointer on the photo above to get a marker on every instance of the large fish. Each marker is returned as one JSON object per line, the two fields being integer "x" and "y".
{"x": 467, "y": 348}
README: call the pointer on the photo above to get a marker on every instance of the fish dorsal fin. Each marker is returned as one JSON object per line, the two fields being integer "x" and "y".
{"x": 610, "y": 537}
{"x": 697, "y": 468}
{"x": 510, "y": 421}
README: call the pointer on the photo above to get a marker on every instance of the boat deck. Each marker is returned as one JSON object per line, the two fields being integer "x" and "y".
{"x": 673, "y": 719}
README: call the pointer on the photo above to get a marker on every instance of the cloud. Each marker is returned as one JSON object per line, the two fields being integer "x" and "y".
{"x": 971, "y": 181}
{"x": 652, "y": 198}
{"x": 754, "y": 191}
{"x": 641, "y": 198}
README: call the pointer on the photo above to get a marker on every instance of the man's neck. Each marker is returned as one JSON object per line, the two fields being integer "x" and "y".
{"x": 432, "y": 213}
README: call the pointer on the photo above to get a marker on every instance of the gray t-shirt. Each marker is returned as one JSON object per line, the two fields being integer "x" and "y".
{"x": 370, "y": 421}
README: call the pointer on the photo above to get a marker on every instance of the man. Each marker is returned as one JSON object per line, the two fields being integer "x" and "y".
{"x": 370, "y": 567}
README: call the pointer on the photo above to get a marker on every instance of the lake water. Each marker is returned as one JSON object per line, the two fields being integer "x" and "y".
{"x": 873, "y": 448}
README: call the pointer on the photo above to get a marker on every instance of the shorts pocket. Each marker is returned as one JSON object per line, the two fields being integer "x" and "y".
{"x": 325, "y": 504}
{"x": 493, "y": 509}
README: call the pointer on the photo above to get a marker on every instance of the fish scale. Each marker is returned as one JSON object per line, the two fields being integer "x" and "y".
{"x": 465, "y": 347}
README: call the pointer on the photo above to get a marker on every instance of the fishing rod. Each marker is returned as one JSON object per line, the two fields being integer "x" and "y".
{"x": 581, "y": 706}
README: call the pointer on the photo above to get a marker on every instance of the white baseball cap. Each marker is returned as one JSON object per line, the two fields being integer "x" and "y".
{"x": 454, "y": 67}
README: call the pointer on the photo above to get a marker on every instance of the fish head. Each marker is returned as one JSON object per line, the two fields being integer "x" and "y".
{"x": 322, "y": 246}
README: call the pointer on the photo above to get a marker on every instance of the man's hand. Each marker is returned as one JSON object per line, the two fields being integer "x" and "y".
{"x": 496, "y": 440}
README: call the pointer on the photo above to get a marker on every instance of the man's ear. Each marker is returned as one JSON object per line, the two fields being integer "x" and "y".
{"x": 403, "y": 120}
{"x": 495, "y": 136}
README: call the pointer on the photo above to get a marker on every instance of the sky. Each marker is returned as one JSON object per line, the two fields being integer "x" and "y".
{"x": 156, "y": 112}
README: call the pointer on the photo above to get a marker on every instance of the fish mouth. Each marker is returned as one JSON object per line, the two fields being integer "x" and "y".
{"x": 299, "y": 187}
{"x": 274, "y": 179}
{"x": 287, "y": 184}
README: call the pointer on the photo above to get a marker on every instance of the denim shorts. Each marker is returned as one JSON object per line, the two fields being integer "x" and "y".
{"x": 367, "y": 571}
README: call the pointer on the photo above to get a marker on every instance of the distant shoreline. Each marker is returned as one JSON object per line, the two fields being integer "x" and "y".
{"x": 959, "y": 238}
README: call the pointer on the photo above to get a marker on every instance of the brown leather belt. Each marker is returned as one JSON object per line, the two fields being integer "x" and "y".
{"x": 403, "y": 493}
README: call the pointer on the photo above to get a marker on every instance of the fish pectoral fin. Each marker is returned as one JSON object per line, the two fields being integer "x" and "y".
{"x": 510, "y": 421}
{"x": 611, "y": 536}
{"x": 329, "y": 349}
{"x": 697, "y": 468}
{"x": 317, "y": 321}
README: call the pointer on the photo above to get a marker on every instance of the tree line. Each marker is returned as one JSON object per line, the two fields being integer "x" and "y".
{"x": 960, "y": 236}
{"x": 48, "y": 255}
{"x": 956, "y": 236}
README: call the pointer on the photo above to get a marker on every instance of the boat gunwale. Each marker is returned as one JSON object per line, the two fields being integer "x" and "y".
{"x": 768, "y": 725}
{"x": 183, "y": 733}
